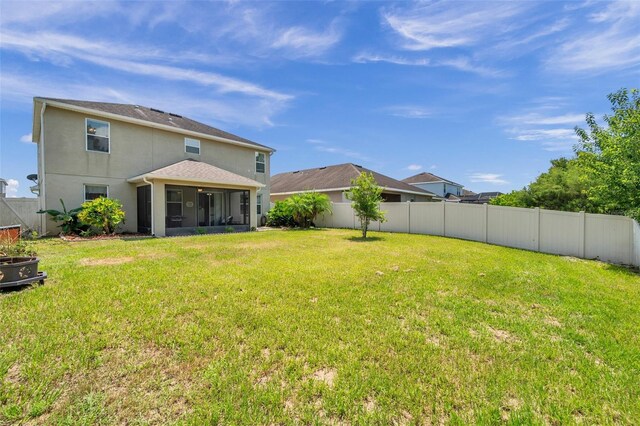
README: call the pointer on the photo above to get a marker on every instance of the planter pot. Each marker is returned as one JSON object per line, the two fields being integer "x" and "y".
{"x": 18, "y": 268}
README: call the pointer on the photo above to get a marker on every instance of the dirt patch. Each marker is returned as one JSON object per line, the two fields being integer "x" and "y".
{"x": 502, "y": 335}
{"x": 266, "y": 353}
{"x": 326, "y": 375}
{"x": 107, "y": 261}
{"x": 13, "y": 374}
{"x": 369, "y": 404}
{"x": 508, "y": 406}
{"x": 552, "y": 321}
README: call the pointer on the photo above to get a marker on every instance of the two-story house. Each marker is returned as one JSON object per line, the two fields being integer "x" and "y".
{"x": 449, "y": 190}
{"x": 172, "y": 174}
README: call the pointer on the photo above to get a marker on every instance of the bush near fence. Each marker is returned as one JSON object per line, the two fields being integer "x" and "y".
{"x": 614, "y": 239}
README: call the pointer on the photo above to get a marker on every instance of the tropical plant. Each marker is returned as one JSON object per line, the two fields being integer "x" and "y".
{"x": 280, "y": 215}
{"x": 306, "y": 206}
{"x": 69, "y": 222}
{"x": 102, "y": 213}
{"x": 366, "y": 196}
{"x": 16, "y": 248}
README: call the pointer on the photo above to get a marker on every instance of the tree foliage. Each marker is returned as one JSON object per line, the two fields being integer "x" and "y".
{"x": 102, "y": 213}
{"x": 366, "y": 196}
{"x": 563, "y": 187}
{"x": 69, "y": 222}
{"x": 604, "y": 177}
{"x": 611, "y": 155}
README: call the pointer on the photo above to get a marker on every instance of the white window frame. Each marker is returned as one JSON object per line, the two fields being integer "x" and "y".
{"x": 86, "y": 136}
{"x": 259, "y": 204}
{"x": 193, "y": 141}
{"x": 84, "y": 187}
{"x": 181, "y": 202}
{"x": 264, "y": 163}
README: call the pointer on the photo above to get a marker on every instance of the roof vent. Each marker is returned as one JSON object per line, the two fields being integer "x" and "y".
{"x": 322, "y": 168}
{"x": 297, "y": 171}
{"x": 157, "y": 110}
{"x": 358, "y": 166}
{"x": 175, "y": 115}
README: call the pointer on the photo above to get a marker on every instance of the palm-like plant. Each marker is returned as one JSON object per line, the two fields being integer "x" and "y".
{"x": 306, "y": 206}
{"x": 69, "y": 222}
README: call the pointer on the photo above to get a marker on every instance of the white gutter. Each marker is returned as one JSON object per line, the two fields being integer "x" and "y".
{"x": 152, "y": 124}
{"x": 41, "y": 180}
{"x": 239, "y": 185}
{"x": 153, "y": 229}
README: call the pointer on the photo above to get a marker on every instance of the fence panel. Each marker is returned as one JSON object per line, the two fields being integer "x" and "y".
{"x": 513, "y": 227}
{"x": 609, "y": 238}
{"x": 343, "y": 216}
{"x": 397, "y": 215}
{"x": 427, "y": 218}
{"x": 466, "y": 221}
{"x": 20, "y": 211}
{"x": 561, "y": 233}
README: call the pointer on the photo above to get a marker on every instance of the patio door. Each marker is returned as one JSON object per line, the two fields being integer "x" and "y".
{"x": 144, "y": 209}
{"x": 210, "y": 209}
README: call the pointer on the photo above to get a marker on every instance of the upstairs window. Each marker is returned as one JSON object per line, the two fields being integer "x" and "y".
{"x": 192, "y": 146}
{"x": 91, "y": 192}
{"x": 260, "y": 160}
{"x": 97, "y": 135}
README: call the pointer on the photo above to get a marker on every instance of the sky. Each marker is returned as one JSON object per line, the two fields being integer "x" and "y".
{"x": 481, "y": 93}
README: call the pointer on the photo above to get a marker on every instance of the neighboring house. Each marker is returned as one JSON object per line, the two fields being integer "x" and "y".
{"x": 336, "y": 180}
{"x": 3, "y": 188}
{"x": 439, "y": 186}
{"x": 173, "y": 175}
{"x": 479, "y": 198}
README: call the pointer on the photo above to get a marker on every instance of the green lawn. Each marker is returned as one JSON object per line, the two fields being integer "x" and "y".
{"x": 319, "y": 327}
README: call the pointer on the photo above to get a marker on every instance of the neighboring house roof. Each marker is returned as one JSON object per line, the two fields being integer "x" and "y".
{"x": 452, "y": 197}
{"x": 426, "y": 177}
{"x": 153, "y": 116}
{"x": 467, "y": 192}
{"x": 197, "y": 171}
{"x": 479, "y": 198}
{"x": 334, "y": 178}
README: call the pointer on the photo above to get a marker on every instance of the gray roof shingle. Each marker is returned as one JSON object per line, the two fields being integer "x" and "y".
{"x": 156, "y": 116}
{"x": 330, "y": 177}
{"x": 427, "y": 177}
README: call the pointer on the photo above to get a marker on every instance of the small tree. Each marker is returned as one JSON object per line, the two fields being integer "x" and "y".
{"x": 102, "y": 213}
{"x": 306, "y": 206}
{"x": 366, "y": 196}
{"x": 69, "y": 222}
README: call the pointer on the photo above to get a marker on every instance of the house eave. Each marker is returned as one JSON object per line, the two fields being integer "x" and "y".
{"x": 156, "y": 177}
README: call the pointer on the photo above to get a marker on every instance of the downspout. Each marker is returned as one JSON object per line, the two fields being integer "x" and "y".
{"x": 41, "y": 179}
{"x": 153, "y": 229}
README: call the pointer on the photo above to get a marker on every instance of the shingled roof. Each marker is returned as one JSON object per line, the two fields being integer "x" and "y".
{"x": 197, "y": 171}
{"x": 334, "y": 178}
{"x": 155, "y": 116}
{"x": 426, "y": 177}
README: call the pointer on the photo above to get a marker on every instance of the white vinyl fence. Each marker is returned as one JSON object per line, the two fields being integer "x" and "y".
{"x": 614, "y": 239}
{"x": 20, "y": 211}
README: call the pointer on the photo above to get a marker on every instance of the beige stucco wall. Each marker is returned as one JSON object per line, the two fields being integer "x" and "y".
{"x": 334, "y": 196}
{"x": 134, "y": 150}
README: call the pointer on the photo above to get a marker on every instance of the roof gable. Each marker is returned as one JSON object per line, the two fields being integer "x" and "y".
{"x": 426, "y": 177}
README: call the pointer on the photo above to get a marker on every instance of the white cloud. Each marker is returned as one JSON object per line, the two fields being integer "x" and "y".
{"x": 303, "y": 42}
{"x": 12, "y": 187}
{"x": 28, "y": 138}
{"x": 441, "y": 25}
{"x": 414, "y": 167}
{"x": 459, "y": 63}
{"x": 492, "y": 178}
{"x": 612, "y": 42}
{"x": 433, "y": 167}
{"x": 409, "y": 111}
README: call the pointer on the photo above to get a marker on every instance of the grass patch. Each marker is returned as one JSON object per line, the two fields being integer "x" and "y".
{"x": 318, "y": 327}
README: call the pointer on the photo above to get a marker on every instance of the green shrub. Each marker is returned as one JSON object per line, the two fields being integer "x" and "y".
{"x": 70, "y": 224}
{"x": 306, "y": 206}
{"x": 17, "y": 248}
{"x": 280, "y": 215}
{"x": 102, "y": 213}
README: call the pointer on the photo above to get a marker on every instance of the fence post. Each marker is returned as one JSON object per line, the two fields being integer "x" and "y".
{"x": 444, "y": 218}
{"x": 582, "y": 239}
{"x": 409, "y": 217}
{"x": 485, "y": 206}
{"x": 537, "y": 227}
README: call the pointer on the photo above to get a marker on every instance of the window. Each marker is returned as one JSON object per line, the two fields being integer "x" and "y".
{"x": 259, "y": 204}
{"x": 260, "y": 162}
{"x": 97, "y": 135}
{"x": 192, "y": 146}
{"x": 91, "y": 192}
{"x": 174, "y": 203}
